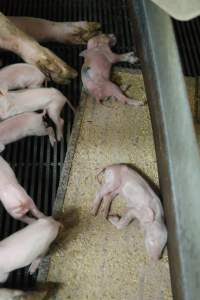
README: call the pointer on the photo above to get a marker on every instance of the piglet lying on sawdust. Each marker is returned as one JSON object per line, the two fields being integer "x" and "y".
{"x": 142, "y": 204}
{"x": 97, "y": 67}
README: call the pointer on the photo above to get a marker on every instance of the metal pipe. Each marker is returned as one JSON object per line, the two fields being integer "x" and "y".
{"x": 176, "y": 145}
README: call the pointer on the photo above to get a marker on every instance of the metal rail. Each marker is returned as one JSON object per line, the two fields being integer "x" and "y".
{"x": 176, "y": 145}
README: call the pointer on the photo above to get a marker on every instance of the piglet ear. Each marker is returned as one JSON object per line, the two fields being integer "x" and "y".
{"x": 149, "y": 215}
{"x": 83, "y": 53}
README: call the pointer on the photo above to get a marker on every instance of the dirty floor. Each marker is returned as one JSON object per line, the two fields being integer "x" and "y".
{"x": 92, "y": 259}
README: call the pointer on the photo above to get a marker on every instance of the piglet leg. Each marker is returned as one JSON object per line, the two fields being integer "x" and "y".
{"x": 106, "y": 203}
{"x": 112, "y": 90}
{"x": 59, "y": 122}
{"x": 129, "y": 57}
{"x": 105, "y": 190}
{"x": 34, "y": 266}
{"x": 51, "y": 135}
{"x": 3, "y": 277}
{"x": 36, "y": 212}
{"x": 2, "y": 147}
{"x": 27, "y": 220}
{"x": 122, "y": 222}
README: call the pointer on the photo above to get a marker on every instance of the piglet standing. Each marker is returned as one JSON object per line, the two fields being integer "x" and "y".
{"x": 20, "y": 76}
{"x": 29, "y": 246}
{"x": 23, "y": 125}
{"x": 97, "y": 67}
{"x": 13, "y": 197}
{"x": 142, "y": 204}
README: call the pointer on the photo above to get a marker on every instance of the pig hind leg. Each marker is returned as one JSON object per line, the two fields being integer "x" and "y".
{"x": 122, "y": 222}
{"x": 106, "y": 203}
{"x": 54, "y": 114}
{"x": 36, "y": 212}
{"x": 35, "y": 264}
{"x": 3, "y": 277}
{"x": 112, "y": 90}
{"x": 2, "y": 147}
{"x": 51, "y": 134}
{"x": 27, "y": 220}
{"x": 128, "y": 57}
{"x": 105, "y": 190}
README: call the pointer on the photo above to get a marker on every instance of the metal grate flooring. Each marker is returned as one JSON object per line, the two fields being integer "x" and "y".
{"x": 36, "y": 164}
{"x": 188, "y": 39}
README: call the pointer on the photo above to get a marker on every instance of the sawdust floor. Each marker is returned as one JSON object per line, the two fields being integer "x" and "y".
{"x": 93, "y": 260}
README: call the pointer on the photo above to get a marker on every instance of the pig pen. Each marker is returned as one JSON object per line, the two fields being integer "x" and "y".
{"x": 38, "y": 167}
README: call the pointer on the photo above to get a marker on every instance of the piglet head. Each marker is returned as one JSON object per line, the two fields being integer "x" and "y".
{"x": 155, "y": 239}
{"x": 102, "y": 40}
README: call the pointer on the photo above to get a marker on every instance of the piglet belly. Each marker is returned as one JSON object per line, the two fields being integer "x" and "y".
{"x": 134, "y": 194}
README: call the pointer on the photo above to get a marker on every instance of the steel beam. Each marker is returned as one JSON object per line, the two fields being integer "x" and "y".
{"x": 176, "y": 145}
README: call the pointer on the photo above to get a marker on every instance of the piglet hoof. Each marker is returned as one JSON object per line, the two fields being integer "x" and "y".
{"x": 124, "y": 87}
{"x": 114, "y": 219}
{"x": 83, "y": 31}
{"x": 34, "y": 266}
{"x": 51, "y": 135}
{"x": 132, "y": 58}
{"x": 136, "y": 103}
{"x": 59, "y": 137}
{"x": 52, "y": 66}
{"x": 88, "y": 30}
{"x": 93, "y": 211}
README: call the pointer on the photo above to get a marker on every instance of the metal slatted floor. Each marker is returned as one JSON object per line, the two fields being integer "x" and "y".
{"x": 188, "y": 39}
{"x": 36, "y": 164}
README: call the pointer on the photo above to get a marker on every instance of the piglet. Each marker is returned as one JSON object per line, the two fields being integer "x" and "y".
{"x": 20, "y": 76}
{"x": 11, "y": 294}
{"x": 97, "y": 66}
{"x": 142, "y": 204}
{"x": 29, "y": 100}
{"x": 29, "y": 246}
{"x": 23, "y": 125}
{"x": 13, "y": 197}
